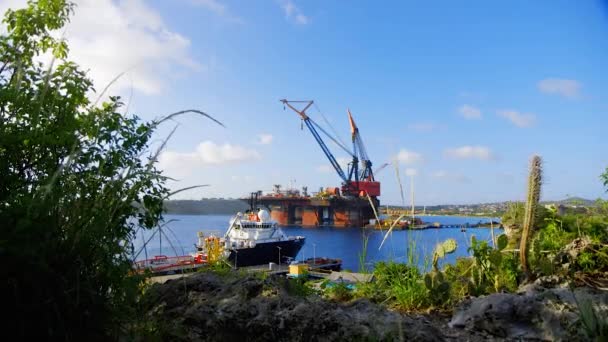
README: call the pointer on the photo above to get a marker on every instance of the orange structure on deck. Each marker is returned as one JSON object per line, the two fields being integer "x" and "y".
{"x": 296, "y": 209}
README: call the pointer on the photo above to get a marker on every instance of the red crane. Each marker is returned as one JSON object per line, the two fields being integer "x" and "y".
{"x": 355, "y": 182}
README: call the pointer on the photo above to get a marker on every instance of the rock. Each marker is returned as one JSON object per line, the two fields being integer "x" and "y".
{"x": 502, "y": 315}
{"x": 208, "y": 307}
{"x": 566, "y": 257}
{"x": 550, "y": 281}
{"x": 535, "y": 313}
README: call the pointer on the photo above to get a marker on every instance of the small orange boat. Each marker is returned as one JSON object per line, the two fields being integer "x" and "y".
{"x": 163, "y": 265}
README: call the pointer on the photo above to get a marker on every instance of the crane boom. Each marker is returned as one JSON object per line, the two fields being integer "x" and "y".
{"x": 367, "y": 174}
{"x": 311, "y": 127}
{"x": 354, "y": 183}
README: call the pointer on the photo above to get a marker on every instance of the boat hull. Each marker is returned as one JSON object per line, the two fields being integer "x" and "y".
{"x": 264, "y": 253}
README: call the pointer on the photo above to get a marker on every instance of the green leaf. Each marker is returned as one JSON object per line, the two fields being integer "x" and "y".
{"x": 428, "y": 281}
{"x": 501, "y": 242}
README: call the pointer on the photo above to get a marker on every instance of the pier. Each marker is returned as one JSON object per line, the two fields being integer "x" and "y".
{"x": 437, "y": 225}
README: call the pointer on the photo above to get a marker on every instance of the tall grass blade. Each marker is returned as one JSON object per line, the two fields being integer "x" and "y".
{"x": 181, "y": 112}
{"x": 391, "y": 229}
{"x": 186, "y": 189}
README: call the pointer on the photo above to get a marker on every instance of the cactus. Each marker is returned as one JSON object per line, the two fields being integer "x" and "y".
{"x": 534, "y": 185}
{"x": 438, "y": 286}
{"x": 434, "y": 281}
{"x": 501, "y": 242}
{"x": 446, "y": 247}
{"x": 487, "y": 261}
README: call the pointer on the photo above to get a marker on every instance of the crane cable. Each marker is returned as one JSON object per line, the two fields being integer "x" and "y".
{"x": 332, "y": 138}
{"x": 330, "y": 126}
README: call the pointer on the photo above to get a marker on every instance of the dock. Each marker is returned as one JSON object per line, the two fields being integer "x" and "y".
{"x": 284, "y": 268}
{"x": 436, "y": 225}
{"x": 317, "y": 271}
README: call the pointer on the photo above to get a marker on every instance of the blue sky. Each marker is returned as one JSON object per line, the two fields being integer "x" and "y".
{"x": 462, "y": 93}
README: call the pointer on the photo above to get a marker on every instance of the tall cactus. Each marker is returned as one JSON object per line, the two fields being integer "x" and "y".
{"x": 534, "y": 185}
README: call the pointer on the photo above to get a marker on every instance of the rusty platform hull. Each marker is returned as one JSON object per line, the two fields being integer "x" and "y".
{"x": 310, "y": 211}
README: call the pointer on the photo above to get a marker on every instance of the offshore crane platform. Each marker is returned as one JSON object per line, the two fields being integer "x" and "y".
{"x": 354, "y": 203}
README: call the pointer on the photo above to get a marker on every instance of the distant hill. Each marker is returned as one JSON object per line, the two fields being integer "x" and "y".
{"x": 207, "y": 206}
{"x": 220, "y": 206}
{"x": 575, "y": 201}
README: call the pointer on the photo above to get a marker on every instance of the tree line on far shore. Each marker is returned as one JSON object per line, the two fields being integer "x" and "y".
{"x": 205, "y": 206}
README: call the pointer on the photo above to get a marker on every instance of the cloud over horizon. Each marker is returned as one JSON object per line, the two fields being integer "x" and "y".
{"x": 218, "y": 8}
{"x": 469, "y": 152}
{"x": 293, "y": 12}
{"x": 328, "y": 168}
{"x": 108, "y": 38}
{"x": 207, "y": 153}
{"x": 522, "y": 120}
{"x": 423, "y": 127}
{"x": 451, "y": 176}
{"x": 411, "y": 171}
{"x": 408, "y": 157}
{"x": 559, "y": 86}
{"x": 264, "y": 139}
{"x": 469, "y": 112}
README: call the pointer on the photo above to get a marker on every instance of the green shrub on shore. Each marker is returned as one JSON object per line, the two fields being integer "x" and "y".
{"x": 76, "y": 186}
{"x": 338, "y": 291}
{"x": 398, "y": 285}
{"x": 299, "y": 286}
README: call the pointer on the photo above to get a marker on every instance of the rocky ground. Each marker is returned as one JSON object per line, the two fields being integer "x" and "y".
{"x": 212, "y": 307}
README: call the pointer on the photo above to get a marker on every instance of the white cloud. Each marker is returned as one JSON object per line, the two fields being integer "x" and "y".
{"x": 108, "y": 37}
{"x": 564, "y": 87}
{"x": 469, "y": 152}
{"x": 451, "y": 176}
{"x": 328, "y": 168}
{"x": 408, "y": 157}
{"x": 422, "y": 127}
{"x": 471, "y": 95}
{"x": 469, "y": 112}
{"x": 411, "y": 171}
{"x": 212, "y": 5}
{"x": 293, "y": 12}
{"x": 247, "y": 178}
{"x": 217, "y": 8}
{"x": 518, "y": 119}
{"x": 264, "y": 139}
{"x": 440, "y": 174}
{"x": 325, "y": 168}
{"x": 207, "y": 153}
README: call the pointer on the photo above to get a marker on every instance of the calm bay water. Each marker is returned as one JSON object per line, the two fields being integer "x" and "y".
{"x": 344, "y": 243}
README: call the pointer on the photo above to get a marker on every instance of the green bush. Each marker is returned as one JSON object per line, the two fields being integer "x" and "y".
{"x": 398, "y": 285}
{"x": 75, "y": 187}
{"x": 459, "y": 276}
{"x": 487, "y": 263}
{"x": 299, "y": 287}
{"x": 338, "y": 291}
{"x": 220, "y": 268}
{"x": 411, "y": 296}
{"x": 593, "y": 324}
{"x": 558, "y": 231}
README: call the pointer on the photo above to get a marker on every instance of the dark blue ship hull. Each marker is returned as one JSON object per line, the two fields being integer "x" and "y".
{"x": 264, "y": 253}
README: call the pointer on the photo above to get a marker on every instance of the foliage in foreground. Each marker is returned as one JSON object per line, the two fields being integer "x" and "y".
{"x": 594, "y": 326}
{"x": 75, "y": 187}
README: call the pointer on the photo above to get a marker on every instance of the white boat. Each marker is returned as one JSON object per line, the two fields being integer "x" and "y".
{"x": 254, "y": 239}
